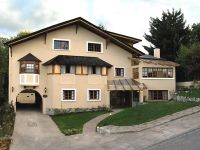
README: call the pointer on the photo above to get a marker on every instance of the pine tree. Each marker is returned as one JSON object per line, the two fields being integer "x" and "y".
{"x": 167, "y": 33}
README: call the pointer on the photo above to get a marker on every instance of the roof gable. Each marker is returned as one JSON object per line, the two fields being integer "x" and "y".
{"x": 29, "y": 57}
{"x": 86, "y": 24}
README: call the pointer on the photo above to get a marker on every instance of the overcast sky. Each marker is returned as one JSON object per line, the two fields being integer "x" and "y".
{"x": 130, "y": 17}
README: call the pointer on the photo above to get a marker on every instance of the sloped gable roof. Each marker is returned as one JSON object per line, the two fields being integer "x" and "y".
{"x": 29, "y": 57}
{"x": 80, "y": 21}
{"x": 77, "y": 60}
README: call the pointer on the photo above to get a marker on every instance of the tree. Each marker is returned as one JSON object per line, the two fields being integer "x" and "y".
{"x": 20, "y": 34}
{"x": 195, "y": 33}
{"x": 167, "y": 33}
{"x": 4, "y": 65}
{"x": 3, "y": 69}
{"x": 189, "y": 60}
{"x": 101, "y": 26}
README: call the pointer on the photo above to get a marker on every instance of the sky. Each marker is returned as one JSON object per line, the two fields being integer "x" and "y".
{"x": 129, "y": 17}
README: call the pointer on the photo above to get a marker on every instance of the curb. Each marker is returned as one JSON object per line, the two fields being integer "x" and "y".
{"x": 141, "y": 127}
{"x": 173, "y": 137}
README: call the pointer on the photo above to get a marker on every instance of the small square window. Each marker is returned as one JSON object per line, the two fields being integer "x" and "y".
{"x": 94, "y": 47}
{"x": 119, "y": 72}
{"x": 68, "y": 95}
{"x": 93, "y": 95}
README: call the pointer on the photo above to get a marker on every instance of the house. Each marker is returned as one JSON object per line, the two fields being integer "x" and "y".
{"x": 75, "y": 64}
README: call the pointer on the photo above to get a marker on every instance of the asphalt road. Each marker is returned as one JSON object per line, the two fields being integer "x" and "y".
{"x": 187, "y": 141}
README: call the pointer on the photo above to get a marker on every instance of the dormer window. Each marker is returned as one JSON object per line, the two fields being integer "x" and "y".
{"x": 29, "y": 67}
{"x": 29, "y": 64}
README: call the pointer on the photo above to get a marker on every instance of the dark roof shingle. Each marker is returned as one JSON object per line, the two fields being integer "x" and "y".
{"x": 77, "y": 60}
{"x": 29, "y": 57}
{"x": 150, "y": 57}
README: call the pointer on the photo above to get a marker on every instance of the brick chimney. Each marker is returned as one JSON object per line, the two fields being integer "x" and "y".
{"x": 157, "y": 52}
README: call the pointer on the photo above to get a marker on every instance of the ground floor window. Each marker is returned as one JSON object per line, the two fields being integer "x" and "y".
{"x": 94, "y": 94}
{"x": 68, "y": 94}
{"x": 158, "y": 95}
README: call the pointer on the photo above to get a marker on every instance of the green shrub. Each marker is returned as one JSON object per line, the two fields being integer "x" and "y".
{"x": 72, "y": 131}
{"x": 7, "y": 118}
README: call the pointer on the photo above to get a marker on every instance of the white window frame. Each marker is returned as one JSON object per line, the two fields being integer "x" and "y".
{"x": 61, "y": 40}
{"x": 93, "y": 100}
{"x": 94, "y": 43}
{"x": 119, "y": 76}
{"x": 68, "y": 100}
{"x": 150, "y": 78}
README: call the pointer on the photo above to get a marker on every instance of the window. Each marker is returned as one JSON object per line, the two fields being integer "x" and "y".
{"x": 94, "y": 47}
{"x": 158, "y": 95}
{"x": 94, "y": 70}
{"x": 94, "y": 95}
{"x": 67, "y": 69}
{"x": 135, "y": 73}
{"x": 68, "y": 95}
{"x": 29, "y": 67}
{"x": 61, "y": 44}
{"x": 119, "y": 72}
{"x": 148, "y": 72}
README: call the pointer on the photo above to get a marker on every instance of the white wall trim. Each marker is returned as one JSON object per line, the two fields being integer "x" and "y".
{"x": 94, "y": 99}
{"x": 115, "y": 72}
{"x": 94, "y": 43}
{"x": 61, "y": 40}
{"x": 68, "y": 89}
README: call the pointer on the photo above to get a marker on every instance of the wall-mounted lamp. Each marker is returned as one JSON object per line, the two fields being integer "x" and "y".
{"x": 45, "y": 90}
{"x": 12, "y": 89}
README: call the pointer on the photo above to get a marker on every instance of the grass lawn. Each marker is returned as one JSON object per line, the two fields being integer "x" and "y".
{"x": 144, "y": 113}
{"x": 191, "y": 93}
{"x": 73, "y": 123}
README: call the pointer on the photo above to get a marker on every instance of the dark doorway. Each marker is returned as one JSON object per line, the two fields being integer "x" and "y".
{"x": 120, "y": 99}
{"x": 29, "y": 100}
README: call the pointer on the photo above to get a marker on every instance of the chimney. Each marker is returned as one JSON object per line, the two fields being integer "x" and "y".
{"x": 157, "y": 52}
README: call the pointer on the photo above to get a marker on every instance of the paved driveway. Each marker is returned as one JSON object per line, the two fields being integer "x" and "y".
{"x": 34, "y": 131}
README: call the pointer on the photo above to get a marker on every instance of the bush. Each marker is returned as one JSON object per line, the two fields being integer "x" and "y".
{"x": 7, "y": 119}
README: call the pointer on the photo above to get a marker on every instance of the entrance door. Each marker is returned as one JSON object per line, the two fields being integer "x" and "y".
{"x": 120, "y": 99}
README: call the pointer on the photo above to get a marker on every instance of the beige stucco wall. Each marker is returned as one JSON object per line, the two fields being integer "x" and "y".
{"x": 157, "y": 83}
{"x": 54, "y": 83}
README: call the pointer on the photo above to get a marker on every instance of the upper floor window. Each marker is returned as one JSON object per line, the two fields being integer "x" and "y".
{"x": 94, "y": 70}
{"x": 119, "y": 72}
{"x": 61, "y": 44}
{"x": 29, "y": 67}
{"x": 148, "y": 72}
{"x": 68, "y": 69}
{"x": 94, "y": 47}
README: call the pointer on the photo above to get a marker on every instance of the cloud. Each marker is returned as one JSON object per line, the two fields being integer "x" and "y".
{"x": 130, "y": 17}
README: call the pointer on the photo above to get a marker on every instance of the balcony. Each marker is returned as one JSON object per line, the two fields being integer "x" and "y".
{"x": 29, "y": 79}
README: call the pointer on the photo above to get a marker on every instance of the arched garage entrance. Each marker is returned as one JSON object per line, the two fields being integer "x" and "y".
{"x": 29, "y": 99}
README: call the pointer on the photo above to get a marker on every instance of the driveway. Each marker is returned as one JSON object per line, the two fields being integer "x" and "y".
{"x": 34, "y": 131}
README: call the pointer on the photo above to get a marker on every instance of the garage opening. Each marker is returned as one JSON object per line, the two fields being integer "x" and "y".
{"x": 29, "y": 100}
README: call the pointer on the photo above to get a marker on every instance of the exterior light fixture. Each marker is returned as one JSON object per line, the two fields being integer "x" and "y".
{"x": 45, "y": 90}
